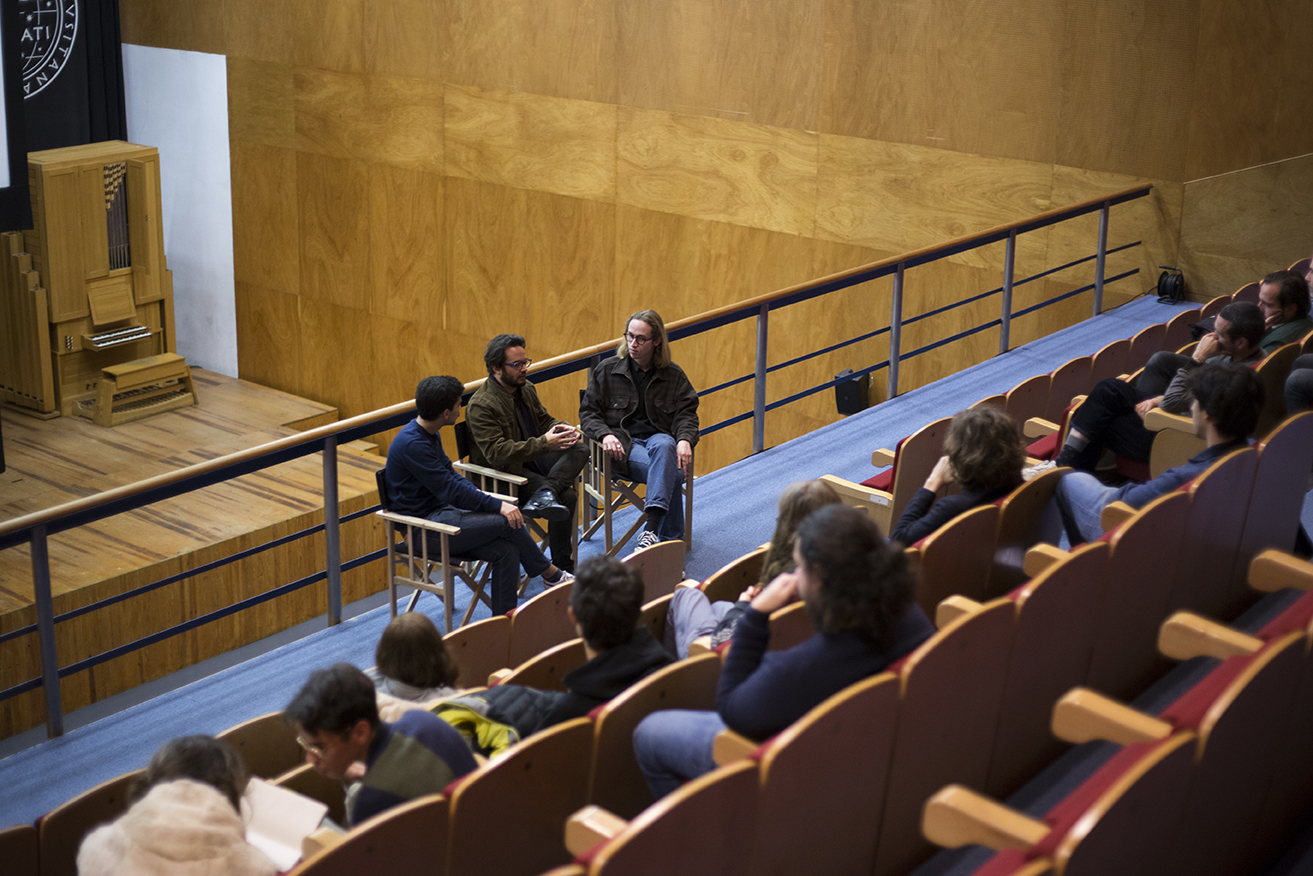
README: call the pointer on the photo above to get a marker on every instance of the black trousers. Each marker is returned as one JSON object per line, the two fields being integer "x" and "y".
{"x": 563, "y": 467}
{"x": 1108, "y": 420}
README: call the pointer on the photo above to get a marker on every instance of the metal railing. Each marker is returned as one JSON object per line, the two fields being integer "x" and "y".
{"x": 35, "y": 529}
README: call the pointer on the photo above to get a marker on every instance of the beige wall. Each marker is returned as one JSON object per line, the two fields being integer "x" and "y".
{"x": 412, "y": 176}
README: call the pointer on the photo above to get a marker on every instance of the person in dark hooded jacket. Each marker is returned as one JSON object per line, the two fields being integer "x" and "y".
{"x": 605, "y": 604}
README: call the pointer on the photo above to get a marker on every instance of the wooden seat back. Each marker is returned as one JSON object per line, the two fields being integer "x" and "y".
{"x": 1110, "y": 361}
{"x": 390, "y": 842}
{"x": 661, "y": 565}
{"x": 917, "y": 454}
{"x": 824, "y": 778}
{"x": 540, "y": 623}
{"x": 615, "y": 782}
{"x": 1278, "y": 495}
{"x": 703, "y": 827}
{"x": 63, "y": 828}
{"x": 1178, "y": 329}
{"x": 1247, "y": 292}
{"x": 19, "y": 849}
{"x": 1056, "y": 625}
{"x": 1068, "y": 381}
{"x": 480, "y": 649}
{"x": 1219, "y": 505}
{"x": 789, "y": 626}
{"x": 1142, "y": 571}
{"x": 951, "y": 693}
{"x": 1027, "y": 516}
{"x": 267, "y": 745}
{"x": 532, "y": 789}
{"x": 956, "y": 558}
{"x": 547, "y": 670}
{"x": 1273, "y": 372}
{"x": 654, "y": 616}
{"x": 727, "y": 582}
{"x": 1214, "y": 307}
{"x": 1029, "y": 398}
{"x": 1145, "y": 343}
{"x": 310, "y": 782}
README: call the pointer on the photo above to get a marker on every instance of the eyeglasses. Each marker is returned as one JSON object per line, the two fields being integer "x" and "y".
{"x": 637, "y": 340}
{"x": 310, "y": 747}
{"x": 520, "y": 365}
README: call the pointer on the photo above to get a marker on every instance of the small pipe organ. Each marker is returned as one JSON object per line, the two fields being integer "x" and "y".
{"x": 86, "y": 293}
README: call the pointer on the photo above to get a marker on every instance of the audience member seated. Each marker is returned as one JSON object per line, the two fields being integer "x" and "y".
{"x": 1226, "y": 399}
{"x": 984, "y": 454}
{"x": 422, "y": 483}
{"x": 413, "y": 667}
{"x": 1112, "y": 417}
{"x": 605, "y": 605}
{"x": 692, "y": 615}
{"x": 858, "y": 590}
{"x": 337, "y": 723}
{"x": 186, "y": 819}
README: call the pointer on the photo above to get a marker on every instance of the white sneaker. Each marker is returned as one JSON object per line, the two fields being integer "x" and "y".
{"x": 1033, "y": 471}
{"x": 647, "y": 539}
{"x": 565, "y": 578}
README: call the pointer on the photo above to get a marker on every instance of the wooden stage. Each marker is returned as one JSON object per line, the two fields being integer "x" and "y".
{"x": 51, "y": 462}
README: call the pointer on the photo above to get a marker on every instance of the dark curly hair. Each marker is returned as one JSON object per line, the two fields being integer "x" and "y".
{"x": 607, "y": 600}
{"x": 411, "y": 651}
{"x": 202, "y": 759}
{"x": 1231, "y": 394}
{"x": 1292, "y": 288}
{"x": 335, "y": 700}
{"x": 797, "y": 501}
{"x": 985, "y": 451}
{"x": 494, "y": 355}
{"x": 865, "y": 583}
{"x": 436, "y": 395}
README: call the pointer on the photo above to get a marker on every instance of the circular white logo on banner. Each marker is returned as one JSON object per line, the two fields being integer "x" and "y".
{"x": 49, "y": 28}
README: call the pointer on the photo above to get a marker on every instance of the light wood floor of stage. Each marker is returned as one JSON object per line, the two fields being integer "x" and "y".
{"x": 50, "y": 462}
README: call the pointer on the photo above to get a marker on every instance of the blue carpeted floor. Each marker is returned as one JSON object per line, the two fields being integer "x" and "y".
{"x": 735, "y": 511}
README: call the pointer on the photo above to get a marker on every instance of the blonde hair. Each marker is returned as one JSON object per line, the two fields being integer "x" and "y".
{"x": 661, "y": 352}
{"x": 797, "y": 501}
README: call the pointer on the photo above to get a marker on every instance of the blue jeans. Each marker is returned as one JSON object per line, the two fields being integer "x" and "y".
{"x": 489, "y": 537}
{"x": 674, "y": 745}
{"x": 652, "y": 461}
{"x": 1081, "y": 500}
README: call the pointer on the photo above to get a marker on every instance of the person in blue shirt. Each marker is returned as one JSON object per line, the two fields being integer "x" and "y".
{"x": 1226, "y": 399}
{"x": 422, "y": 483}
{"x": 858, "y": 590}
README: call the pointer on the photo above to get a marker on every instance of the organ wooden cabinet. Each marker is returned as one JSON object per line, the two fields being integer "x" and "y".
{"x": 87, "y": 288}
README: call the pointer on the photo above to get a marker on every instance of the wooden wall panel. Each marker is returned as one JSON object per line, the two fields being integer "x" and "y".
{"x": 899, "y": 198}
{"x": 260, "y": 104}
{"x": 566, "y": 147}
{"x": 1241, "y": 226}
{"x": 329, "y": 34}
{"x": 269, "y": 337}
{"x": 1127, "y": 72}
{"x": 556, "y": 48}
{"x": 405, "y": 38}
{"x": 342, "y": 373}
{"x": 333, "y": 209}
{"x": 539, "y": 261}
{"x": 1252, "y": 101}
{"x": 405, "y": 250}
{"x": 375, "y": 118}
{"x": 731, "y": 59}
{"x": 725, "y": 171}
{"x": 196, "y": 26}
{"x": 258, "y": 30}
{"x": 265, "y": 216}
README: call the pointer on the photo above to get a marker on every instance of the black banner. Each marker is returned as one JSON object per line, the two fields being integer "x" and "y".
{"x": 72, "y": 72}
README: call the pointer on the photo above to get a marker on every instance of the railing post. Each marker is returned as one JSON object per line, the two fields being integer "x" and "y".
{"x": 895, "y": 330}
{"x": 1103, "y": 252}
{"x": 1009, "y": 264}
{"x": 45, "y": 631}
{"x": 759, "y": 386}
{"x": 332, "y": 532}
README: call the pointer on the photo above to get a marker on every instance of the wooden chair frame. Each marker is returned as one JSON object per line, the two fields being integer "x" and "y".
{"x": 612, "y": 493}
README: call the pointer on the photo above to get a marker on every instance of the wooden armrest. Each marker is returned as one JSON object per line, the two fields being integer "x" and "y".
{"x": 1038, "y": 427}
{"x": 956, "y": 816}
{"x": 590, "y": 826}
{"x": 1273, "y": 570}
{"x": 490, "y": 473}
{"x": 319, "y": 840}
{"x": 1082, "y": 715}
{"x": 691, "y": 583}
{"x": 954, "y": 607}
{"x": 1158, "y": 419}
{"x": 1115, "y": 514}
{"x": 1185, "y": 635}
{"x": 407, "y": 520}
{"x": 730, "y": 746}
{"x": 850, "y": 490}
{"x": 882, "y": 457}
{"x": 495, "y": 678}
{"x": 1040, "y": 557}
{"x": 700, "y": 645}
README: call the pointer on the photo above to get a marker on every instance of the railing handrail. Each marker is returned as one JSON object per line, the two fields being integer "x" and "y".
{"x": 721, "y": 314}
